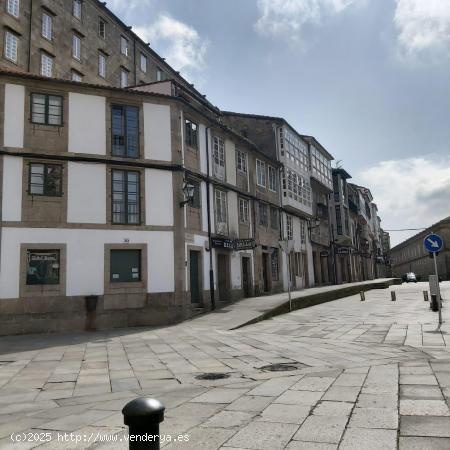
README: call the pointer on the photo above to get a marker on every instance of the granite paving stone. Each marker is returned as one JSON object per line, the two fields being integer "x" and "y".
{"x": 326, "y": 429}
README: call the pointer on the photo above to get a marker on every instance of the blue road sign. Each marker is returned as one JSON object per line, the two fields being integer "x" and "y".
{"x": 433, "y": 243}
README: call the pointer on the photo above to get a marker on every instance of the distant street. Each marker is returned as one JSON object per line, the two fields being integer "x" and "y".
{"x": 361, "y": 375}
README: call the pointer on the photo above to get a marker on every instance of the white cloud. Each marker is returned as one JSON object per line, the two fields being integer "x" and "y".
{"x": 287, "y": 18}
{"x": 178, "y": 42}
{"x": 410, "y": 193}
{"x": 423, "y": 26}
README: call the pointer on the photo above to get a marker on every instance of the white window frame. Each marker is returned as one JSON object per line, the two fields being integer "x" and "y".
{"x": 47, "y": 25}
{"x": 219, "y": 157}
{"x": 13, "y": 8}
{"x": 143, "y": 63}
{"x": 261, "y": 177}
{"x": 159, "y": 74}
{"x": 221, "y": 208}
{"x": 241, "y": 161}
{"x": 289, "y": 228}
{"x": 100, "y": 22}
{"x": 47, "y": 65}
{"x": 11, "y": 46}
{"x": 272, "y": 179}
{"x": 102, "y": 64}
{"x": 76, "y": 47}
{"x": 124, "y": 46}
{"x": 76, "y": 76}
{"x": 244, "y": 208}
{"x": 77, "y": 9}
{"x": 124, "y": 81}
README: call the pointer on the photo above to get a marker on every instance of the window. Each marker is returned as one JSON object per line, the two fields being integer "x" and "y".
{"x": 274, "y": 220}
{"x": 260, "y": 173}
{"x": 125, "y": 197}
{"x": 241, "y": 161}
{"x": 101, "y": 28}
{"x": 45, "y": 179}
{"x": 125, "y": 266}
{"x": 263, "y": 214}
{"x": 274, "y": 264}
{"x": 12, "y": 7}
{"x": 296, "y": 187}
{"x": 243, "y": 211}
{"x": 219, "y": 158}
{"x": 321, "y": 167}
{"x": 159, "y": 74}
{"x": 124, "y": 45}
{"x": 191, "y": 133}
{"x": 11, "y": 46}
{"x": 302, "y": 232}
{"x": 76, "y": 9}
{"x": 42, "y": 267}
{"x": 102, "y": 65}
{"x": 338, "y": 220}
{"x": 47, "y": 26}
{"x": 76, "y": 76}
{"x": 143, "y": 63}
{"x": 196, "y": 200}
{"x": 46, "y": 65}
{"x": 123, "y": 78}
{"x": 46, "y": 109}
{"x": 76, "y": 47}
{"x": 272, "y": 179}
{"x": 289, "y": 228}
{"x": 295, "y": 149}
{"x": 125, "y": 131}
{"x": 221, "y": 210}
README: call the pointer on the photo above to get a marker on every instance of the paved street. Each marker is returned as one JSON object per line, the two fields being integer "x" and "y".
{"x": 362, "y": 375}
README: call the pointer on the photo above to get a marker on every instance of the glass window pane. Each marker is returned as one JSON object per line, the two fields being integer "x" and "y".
{"x": 42, "y": 267}
{"x": 125, "y": 266}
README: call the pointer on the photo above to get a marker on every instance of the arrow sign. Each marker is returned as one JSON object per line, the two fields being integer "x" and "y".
{"x": 433, "y": 243}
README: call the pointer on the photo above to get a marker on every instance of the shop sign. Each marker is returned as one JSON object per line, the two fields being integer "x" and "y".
{"x": 234, "y": 244}
{"x": 324, "y": 254}
{"x": 343, "y": 251}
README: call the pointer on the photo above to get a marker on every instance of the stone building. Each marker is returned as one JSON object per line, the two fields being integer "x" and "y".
{"x": 282, "y": 143}
{"x": 411, "y": 256}
{"x": 78, "y": 40}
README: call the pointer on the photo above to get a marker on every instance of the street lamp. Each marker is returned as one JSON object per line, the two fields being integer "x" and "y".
{"x": 188, "y": 192}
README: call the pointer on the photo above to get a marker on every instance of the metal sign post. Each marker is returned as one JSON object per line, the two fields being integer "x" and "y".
{"x": 434, "y": 244}
{"x": 286, "y": 246}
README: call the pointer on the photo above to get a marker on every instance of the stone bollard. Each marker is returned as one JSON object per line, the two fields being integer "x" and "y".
{"x": 143, "y": 416}
{"x": 363, "y": 296}
{"x": 393, "y": 296}
{"x": 425, "y": 296}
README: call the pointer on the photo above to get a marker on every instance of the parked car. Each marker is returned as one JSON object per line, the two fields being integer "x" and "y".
{"x": 410, "y": 277}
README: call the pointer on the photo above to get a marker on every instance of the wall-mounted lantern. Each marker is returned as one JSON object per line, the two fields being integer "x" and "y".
{"x": 188, "y": 192}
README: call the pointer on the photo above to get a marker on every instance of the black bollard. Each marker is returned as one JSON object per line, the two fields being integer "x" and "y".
{"x": 363, "y": 296}
{"x": 143, "y": 416}
{"x": 393, "y": 296}
{"x": 434, "y": 303}
{"x": 425, "y": 296}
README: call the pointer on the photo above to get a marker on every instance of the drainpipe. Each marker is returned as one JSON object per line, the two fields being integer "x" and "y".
{"x": 208, "y": 208}
{"x": 29, "y": 40}
{"x": 135, "y": 62}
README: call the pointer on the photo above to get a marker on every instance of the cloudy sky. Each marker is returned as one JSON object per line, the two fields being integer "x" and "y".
{"x": 369, "y": 78}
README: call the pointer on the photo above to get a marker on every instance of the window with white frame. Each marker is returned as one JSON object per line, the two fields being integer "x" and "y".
{"x": 47, "y": 26}
{"x": 220, "y": 198}
{"x": 296, "y": 187}
{"x": 241, "y": 161}
{"x": 244, "y": 211}
{"x": 294, "y": 148}
{"x": 159, "y": 74}
{"x": 143, "y": 63}
{"x": 11, "y": 46}
{"x": 102, "y": 64}
{"x": 124, "y": 44}
{"x": 289, "y": 228}
{"x": 76, "y": 76}
{"x": 123, "y": 78}
{"x": 272, "y": 179}
{"x": 76, "y": 9}
{"x": 46, "y": 65}
{"x": 101, "y": 28}
{"x": 13, "y": 7}
{"x": 321, "y": 167}
{"x": 263, "y": 214}
{"x": 302, "y": 232}
{"x": 76, "y": 47}
{"x": 260, "y": 173}
{"x": 219, "y": 158}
